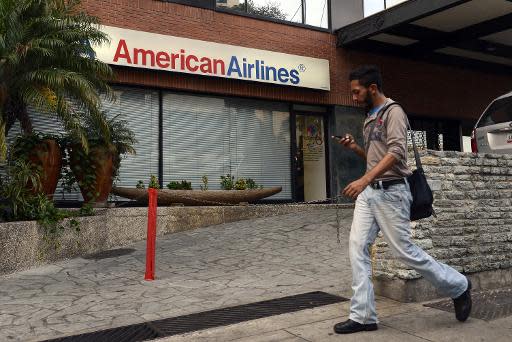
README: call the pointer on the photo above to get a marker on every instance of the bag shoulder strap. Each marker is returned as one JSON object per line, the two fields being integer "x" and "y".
{"x": 380, "y": 113}
{"x": 417, "y": 159}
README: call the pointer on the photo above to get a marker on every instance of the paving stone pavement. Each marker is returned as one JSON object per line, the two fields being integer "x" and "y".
{"x": 398, "y": 322}
{"x": 199, "y": 270}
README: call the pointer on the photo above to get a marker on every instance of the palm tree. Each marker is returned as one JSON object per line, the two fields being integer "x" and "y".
{"x": 47, "y": 62}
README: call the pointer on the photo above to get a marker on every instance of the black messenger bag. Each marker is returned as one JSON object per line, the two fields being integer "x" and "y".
{"x": 422, "y": 198}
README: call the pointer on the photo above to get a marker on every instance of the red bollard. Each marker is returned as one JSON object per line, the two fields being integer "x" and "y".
{"x": 151, "y": 238}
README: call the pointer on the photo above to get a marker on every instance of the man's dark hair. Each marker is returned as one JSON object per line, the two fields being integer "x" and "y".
{"x": 367, "y": 75}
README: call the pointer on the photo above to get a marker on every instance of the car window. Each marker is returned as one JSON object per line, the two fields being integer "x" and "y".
{"x": 500, "y": 111}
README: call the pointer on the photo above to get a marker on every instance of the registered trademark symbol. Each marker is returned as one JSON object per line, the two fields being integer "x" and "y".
{"x": 301, "y": 67}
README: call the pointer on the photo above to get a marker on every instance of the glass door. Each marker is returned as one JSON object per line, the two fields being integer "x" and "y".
{"x": 310, "y": 163}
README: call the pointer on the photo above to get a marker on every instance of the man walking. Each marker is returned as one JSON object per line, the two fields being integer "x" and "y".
{"x": 383, "y": 203}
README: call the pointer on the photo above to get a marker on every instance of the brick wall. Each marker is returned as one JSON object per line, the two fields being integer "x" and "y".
{"x": 424, "y": 89}
{"x": 473, "y": 228}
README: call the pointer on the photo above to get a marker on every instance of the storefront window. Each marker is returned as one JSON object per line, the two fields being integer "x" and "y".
{"x": 212, "y": 136}
{"x": 310, "y": 12}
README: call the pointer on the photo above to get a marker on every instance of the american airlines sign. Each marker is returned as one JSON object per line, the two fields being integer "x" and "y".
{"x": 155, "y": 51}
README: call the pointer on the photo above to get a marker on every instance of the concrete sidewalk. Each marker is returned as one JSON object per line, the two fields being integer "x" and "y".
{"x": 398, "y": 322}
{"x": 216, "y": 267}
{"x": 199, "y": 270}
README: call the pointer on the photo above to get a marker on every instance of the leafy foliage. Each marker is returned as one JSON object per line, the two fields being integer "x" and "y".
{"x": 271, "y": 9}
{"x": 153, "y": 182}
{"x": 120, "y": 141}
{"x": 227, "y": 182}
{"x": 204, "y": 186}
{"x": 18, "y": 202}
{"x": 183, "y": 185}
{"x": 251, "y": 184}
{"x": 84, "y": 163}
{"x": 24, "y": 145}
{"x": 240, "y": 184}
{"x": 83, "y": 166}
{"x": 47, "y": 62}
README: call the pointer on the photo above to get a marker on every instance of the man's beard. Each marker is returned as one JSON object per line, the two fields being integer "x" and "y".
{"x": 368, "y": 103}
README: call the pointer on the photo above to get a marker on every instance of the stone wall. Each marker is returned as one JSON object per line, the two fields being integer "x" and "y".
{"x": 472, "y": 231}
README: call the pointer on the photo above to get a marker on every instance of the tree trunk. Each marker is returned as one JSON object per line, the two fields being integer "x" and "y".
{"x": 25, "y": 121}
{"x": 3, "y": 123}
{"x": 3, "y": 144}
{"x": 16, "y": 110}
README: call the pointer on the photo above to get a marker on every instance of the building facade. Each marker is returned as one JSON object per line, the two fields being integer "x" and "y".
{"x": 193, "y": 119}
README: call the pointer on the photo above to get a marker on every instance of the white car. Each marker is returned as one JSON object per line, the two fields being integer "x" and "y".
{"x": 493, "y": 131}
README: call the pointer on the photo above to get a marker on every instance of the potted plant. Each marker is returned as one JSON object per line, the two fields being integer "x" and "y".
{"x": 43, "y": 151}
{"x": 96, "y": 169}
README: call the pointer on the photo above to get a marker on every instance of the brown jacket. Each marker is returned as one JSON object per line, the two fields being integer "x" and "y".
{"x": 389, "y": 136}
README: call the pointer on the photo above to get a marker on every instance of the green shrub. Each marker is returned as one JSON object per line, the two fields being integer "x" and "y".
{"x": 19, "y": 203}
{"x": 183, "y": 185}
{"x": 251, "y": 184}
{"x": 205, "y": 182}
{"x": 227, "y": 182}
{"x": 153, "y": 182}
{"x": 240, "y": 184}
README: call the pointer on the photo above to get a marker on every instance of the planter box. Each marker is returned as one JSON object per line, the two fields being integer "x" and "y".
{"x": 198, "y": 197}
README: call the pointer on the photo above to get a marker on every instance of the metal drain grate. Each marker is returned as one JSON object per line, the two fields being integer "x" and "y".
{"x": 109, "y": 254}
{"x": 208, "y": 319}
{"x": 131, "y": 333}
{"x": 242, "y": 313}
{"x": 487, "y": 305}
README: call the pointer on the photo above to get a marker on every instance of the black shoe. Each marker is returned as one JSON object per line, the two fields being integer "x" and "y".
{"x": 349, "y": 327}
{"x": 463, "y": 304}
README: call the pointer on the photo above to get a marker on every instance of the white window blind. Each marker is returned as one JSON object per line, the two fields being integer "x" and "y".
{"x": 139, "y": 107}
{"x": 214, "y": 136}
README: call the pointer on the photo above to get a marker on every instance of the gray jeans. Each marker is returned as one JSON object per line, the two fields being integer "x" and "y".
{"x": 388, "y": 211}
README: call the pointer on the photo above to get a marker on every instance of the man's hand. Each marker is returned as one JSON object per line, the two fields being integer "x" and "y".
{"x": 355, "y": 188}
{"x": 347, "y": 141}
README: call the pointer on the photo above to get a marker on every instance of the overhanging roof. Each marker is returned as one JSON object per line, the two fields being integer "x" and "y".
{"x": 475, "y": 34}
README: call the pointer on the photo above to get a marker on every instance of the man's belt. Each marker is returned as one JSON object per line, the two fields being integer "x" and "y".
{"x": 387, "y": 184}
